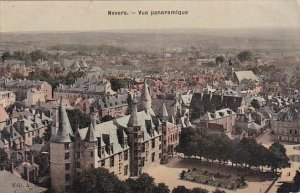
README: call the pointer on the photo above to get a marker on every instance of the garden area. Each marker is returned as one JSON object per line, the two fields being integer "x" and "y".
{"x": 213, "y": 179}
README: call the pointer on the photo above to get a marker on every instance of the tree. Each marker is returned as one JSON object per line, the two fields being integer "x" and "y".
{"x": 181, "y": 189}
{"x": 5, "y": 56}
{"x": 199, "y": 190}
{"x": 47, "y": 135}
{"x": 245, "y": 55}
{"x": 4, "y": 160}
{"x": 78, "y": 118}
{"x": 99, "y": 180}
{"x": 255, "y": 103}
{"x": 279, "y": 159}
{"x": 43, "y": 160}
{"x": 144, "y": 184}
{"x": 107, "y": 118}
{"x": 218, "y": 191}
{"x": 220, "y": 59}
{"x": 161, "y": 188}
{"x": 188, "y": 141}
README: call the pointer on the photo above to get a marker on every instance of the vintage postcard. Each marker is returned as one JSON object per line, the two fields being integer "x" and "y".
{"x": 175, "y": 96}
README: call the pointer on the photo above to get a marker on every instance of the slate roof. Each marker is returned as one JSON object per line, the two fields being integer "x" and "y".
{"x": 7, "y": 180}
{"x": 209, "y": 116}
{"x": 206, "y": 100}
{"x": 64, "y": 131}
{"x": 113, "y": 131}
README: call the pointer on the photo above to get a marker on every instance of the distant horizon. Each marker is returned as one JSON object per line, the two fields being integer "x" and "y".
{"x": 152, "y": 30}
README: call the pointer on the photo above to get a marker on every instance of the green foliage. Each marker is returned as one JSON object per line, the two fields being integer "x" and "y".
{"x": 245, "y": 55}
{"x": 44, "y": 75}
{"x": 5, "y": 56}
{"x": 4, "y": 160}
{"x": 290, "y": 187}
{"x": 43, "y": 160}
{"x": 181, "y": 189}
{"x": 218, "y": 146}
{"x": 47, "y": 134}
{"x": 255, "y": 103}
{"x": 161, "y": 188}
{"x": 199, "y": 190}
{"x": 279, "y": 159}
{"x": 117, "y": 84}
{"x": 220, "y": 59}
{"x": 99, "y": 181}
{"x": 78, "y": 118}
{"x": 218, "y": 191}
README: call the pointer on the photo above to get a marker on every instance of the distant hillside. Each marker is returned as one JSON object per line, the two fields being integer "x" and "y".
{"x": 278, "y": 40}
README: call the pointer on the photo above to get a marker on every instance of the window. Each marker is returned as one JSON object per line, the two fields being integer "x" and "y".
{"x": 112, "y": 161}
{"x": 153, "y": 143}
{"x": 153, "y": 156}
{"x": 159, "y": 155}
{"x": 78, "y": 155}
{"x": 67, "y": 155}
{"x": 92, "y": 154}
{"x": 120, "y": 157}
{"x": 160, "y": 147}
{"x": 126, "y": 155}
{"x": 126, "y": 170}
{"x": 67, "y": 166}
{"x": 28, "y": 134}
{"x": 78, "y": 165}
{"x": 67, "y": 177}
{"x": 102, "y": 163}
{"x": 67, "y": 146}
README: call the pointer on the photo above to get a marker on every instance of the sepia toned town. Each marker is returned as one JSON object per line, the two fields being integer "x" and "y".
{"x": 150, "y": 111}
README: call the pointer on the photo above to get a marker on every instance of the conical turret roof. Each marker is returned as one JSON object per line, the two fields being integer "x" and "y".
{"x": 163, "y": 110}
{"x": 64, "y": 131}
{"x": 133, "y": 119}
{"x": 146, "y": 98}
{"x": 91, "y": 135}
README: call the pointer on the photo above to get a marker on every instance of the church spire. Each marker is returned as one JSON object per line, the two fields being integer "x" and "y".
{"x": 64, "y": 131}
{"x": 147, "y": 102}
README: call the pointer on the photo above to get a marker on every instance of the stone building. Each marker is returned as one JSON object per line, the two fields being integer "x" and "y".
{"x": 83, "y": 88}
{"x": 20, "y": 87}
{"x": 286, "y": 125}
{"x": 22, "y": 131}
{"x": 225, "y": 117}
{"x": 7, "y": 98}
{"x": 125, "y": 146}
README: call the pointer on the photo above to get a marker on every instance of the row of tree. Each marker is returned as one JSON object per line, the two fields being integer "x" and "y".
{"x": 218, "y": 146}
{"x": 100, "y": 180}
{"x": 26, "y": 56}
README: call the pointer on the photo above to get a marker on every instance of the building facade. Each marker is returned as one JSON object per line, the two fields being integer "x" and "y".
{"x": 125, "y": 146}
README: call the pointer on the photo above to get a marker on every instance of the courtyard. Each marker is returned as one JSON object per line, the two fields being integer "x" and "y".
{"x": 170, "y": 173}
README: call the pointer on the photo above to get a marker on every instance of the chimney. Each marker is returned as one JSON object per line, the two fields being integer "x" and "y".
{"x": 11, "y": 130}
{"x": 41, "y": 114}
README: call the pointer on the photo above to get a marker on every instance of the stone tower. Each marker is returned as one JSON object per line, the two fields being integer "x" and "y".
{"x": 62, "y": 155}
{"x": 146, "y": 98}
{"x": 136, "y": 138}
{"x": 163, "y": 115}
{"x": 91, "y": 145}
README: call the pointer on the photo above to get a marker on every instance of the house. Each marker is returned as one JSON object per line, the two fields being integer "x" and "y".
{"x": 7, "y": 98}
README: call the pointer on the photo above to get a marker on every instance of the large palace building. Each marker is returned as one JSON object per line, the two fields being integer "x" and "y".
{"x": 125, "y": 146}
